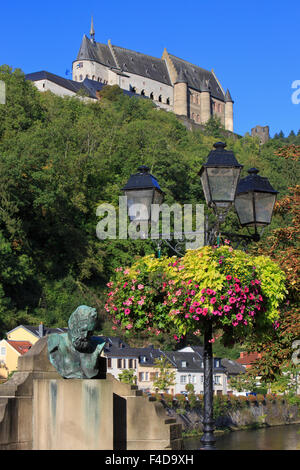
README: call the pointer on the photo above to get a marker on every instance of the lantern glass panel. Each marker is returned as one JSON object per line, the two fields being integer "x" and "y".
{"x": 244, "y": 207}
{"x": 264, "y": 205}
{"x": 223, "y": 182}
{"x": 204, "y": 182}
{"x": 139, "y": 204}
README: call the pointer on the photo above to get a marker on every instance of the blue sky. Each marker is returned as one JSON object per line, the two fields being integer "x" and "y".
{"x": 253, "y": 46}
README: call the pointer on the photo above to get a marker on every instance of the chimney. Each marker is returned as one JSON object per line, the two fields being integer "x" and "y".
{"x": 41, "y": 330}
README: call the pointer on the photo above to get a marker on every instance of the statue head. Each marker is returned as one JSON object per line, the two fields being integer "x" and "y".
{"x": 81, "y": 325}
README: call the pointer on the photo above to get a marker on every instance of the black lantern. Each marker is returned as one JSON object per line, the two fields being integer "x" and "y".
{"x": 255, "y": 199}
{"x": 142, "y": 190}
{"x": 219, "y": 177}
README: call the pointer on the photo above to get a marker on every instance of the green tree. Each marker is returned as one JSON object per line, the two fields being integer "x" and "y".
{"x": 127, "y": 376}
{"x": 166, "y": 377}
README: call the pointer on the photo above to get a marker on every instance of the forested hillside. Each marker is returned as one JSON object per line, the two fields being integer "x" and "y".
{"x": 60, "y": 158}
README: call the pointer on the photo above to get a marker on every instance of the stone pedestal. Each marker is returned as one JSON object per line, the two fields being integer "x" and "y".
{"x": 40, "y": 410}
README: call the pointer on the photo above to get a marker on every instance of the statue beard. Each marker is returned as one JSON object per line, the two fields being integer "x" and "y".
{"x": 81, "y": 344}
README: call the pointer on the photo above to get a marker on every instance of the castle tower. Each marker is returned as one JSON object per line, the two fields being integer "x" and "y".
{"x": 228, "y": 112}
{"x": 205, "y": 103}
{"x": 180, "y": 95}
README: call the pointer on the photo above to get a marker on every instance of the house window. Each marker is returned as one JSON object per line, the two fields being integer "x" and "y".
{"x": 120, "y": 364}
{"x": 217, "y": 380}
{"x": 130, "y": 364}
{"x": 109, "y": 362}
{"x": 201, "y": 379}
{"x": 183, "y": 379}
{"x": 3, "y": 351}
{"x": 217, "y": 364}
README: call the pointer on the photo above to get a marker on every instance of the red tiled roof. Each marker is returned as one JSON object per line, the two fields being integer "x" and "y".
{"x": 248, "y": 358}
{"x": 21, "y": 346}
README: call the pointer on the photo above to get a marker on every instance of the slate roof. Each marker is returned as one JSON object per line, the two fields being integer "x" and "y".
{"x": 198, "y": 78}
{"x": 63, "y": 82}
{"x": 21, "y": 346}
{"x": 192, "y": 359}
{"x": 35, "y": 330}
{"x": 142, "y": 64}
{"x": 232, "y": 367}
{"x": 150, "y": 353}
{"x": 101, "y": 53}
{"x": 88, "y": 85}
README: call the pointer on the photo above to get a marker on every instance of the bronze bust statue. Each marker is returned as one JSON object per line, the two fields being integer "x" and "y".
{"x": 75, "y": 354}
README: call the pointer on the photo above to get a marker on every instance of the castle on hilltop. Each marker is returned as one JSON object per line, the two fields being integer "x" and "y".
{"x": 172, "y": 83}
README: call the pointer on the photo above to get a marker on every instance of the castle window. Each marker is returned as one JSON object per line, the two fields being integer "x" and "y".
{"x": 160, "y": 99}
{"x": 198, "y": 118}
{"x": 193, "y": 116}
{"x": 80, "y": 77}
{"x": 168, "y": 101}
{"x": 87, "y": 76}
{"x": 93, "y": 77}
{"x": 75, "y": 78}
{"x": 133, "y": 89}
{"x": 151, "y": 96}
{"x": 143, "y": 92}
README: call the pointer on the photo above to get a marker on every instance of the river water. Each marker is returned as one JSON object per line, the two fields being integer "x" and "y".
{"x": 273, "y": 438}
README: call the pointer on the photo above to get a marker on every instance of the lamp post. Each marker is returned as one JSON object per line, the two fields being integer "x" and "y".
{"x": 253, "y": 198}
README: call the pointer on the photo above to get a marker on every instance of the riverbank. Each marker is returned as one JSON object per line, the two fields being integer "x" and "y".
{"x": 234, "y": 413}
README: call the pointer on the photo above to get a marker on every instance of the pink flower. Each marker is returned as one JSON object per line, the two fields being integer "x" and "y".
{"x": 246, "y": 289}
{"x": 222, "y": 297}
{"x": 215, "y": 312}
{"x": 228, "y": 277}
{"x": 129, "y": 326}
{"x": 203, "y": 291}
{"x": 175, "y": 337}
{"x": 193, "y": 292}
{"x": 126, "y": 271}
{"x": 230, "y": 249}
{"x": 202, "y": 299}
{"x": 204, "y": 312}
{"x": 198, "y": 310}
{"x": 239, "y": 317}
{"x": 141, "y": 302}
{"x": 196, "y": 304}
{"x": 213, "y": 300}
{"x": 180, "y": 268}
{"x": 235, "y": 323}
{"x": 174, "y": 300}
{"x": 109, "y": 284}
{"x": 227, "y": 308}
{"x": 127, "y": 311}
{"x": 187, "y": 315}
{"x": 195, "y": 317}
{"x": 209, "y": 291}
{"x": 113, "y": 327}
{"x": 232, "y": 300}
{"x": 191, "y": 310}
{"x": 132, "y": 288}
{"x": 212, "y": 340}
{"x": 140, "y": 286}
{"x": 179, "y": 292}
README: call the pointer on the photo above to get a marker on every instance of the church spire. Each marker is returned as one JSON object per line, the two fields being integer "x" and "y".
{"x": 92, "y": 31}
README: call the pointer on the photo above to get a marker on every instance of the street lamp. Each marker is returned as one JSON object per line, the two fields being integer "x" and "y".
{"x": 142, "y": 190}
{"x": 253, "y": 198}
{"x": 219, "y": 178}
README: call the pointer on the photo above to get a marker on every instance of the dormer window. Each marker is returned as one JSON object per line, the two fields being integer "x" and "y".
{"x": 143, "y": 359}
{"x": 183, "y": 363}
